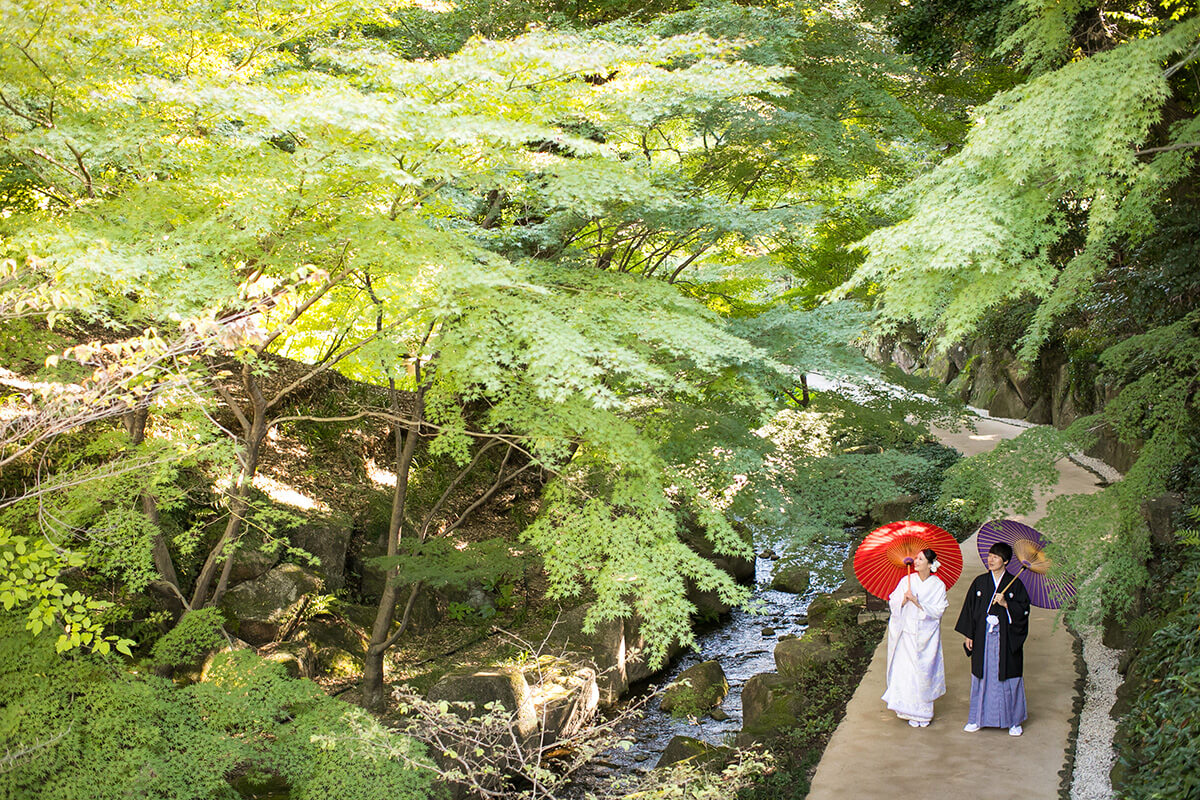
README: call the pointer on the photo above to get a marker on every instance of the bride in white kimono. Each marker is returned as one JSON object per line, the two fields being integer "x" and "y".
{"x": 916, "y": 675}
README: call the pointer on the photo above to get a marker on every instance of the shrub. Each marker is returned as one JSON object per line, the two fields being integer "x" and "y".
{"x": 75, "y": 727}
{"x": 197, "y": 634}
{"x": 1160, "y": 736}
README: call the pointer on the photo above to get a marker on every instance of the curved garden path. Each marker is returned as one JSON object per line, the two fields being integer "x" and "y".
{"x": 872, "y": 754}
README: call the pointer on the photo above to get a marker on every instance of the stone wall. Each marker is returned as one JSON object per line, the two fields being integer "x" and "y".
{"x": 991, "y": 378}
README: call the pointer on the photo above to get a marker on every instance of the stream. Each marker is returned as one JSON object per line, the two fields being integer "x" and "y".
{"x": 743, "y": 645}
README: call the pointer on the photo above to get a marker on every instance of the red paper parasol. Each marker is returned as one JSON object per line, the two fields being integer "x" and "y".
{"x": 1029, "y": 561}
{"x": 880, "y": 561}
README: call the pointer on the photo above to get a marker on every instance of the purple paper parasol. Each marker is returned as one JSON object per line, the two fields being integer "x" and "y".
{"x": 1029, "y": 561}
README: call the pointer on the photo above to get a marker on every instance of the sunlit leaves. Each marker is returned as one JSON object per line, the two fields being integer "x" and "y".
{"x": 30, "y": 581}
{"x": 982, "y": 227}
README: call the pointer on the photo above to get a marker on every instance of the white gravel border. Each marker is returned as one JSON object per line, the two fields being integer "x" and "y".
{"x": 1094, "y": 752}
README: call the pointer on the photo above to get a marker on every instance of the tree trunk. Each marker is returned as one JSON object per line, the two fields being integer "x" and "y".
{"x": 239, "y": 503}
{"x": 381, "y": 635}
{"x": 135, "y": 426}
{"x": 236, "y": 521}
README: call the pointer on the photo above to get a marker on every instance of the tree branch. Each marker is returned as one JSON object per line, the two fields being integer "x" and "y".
{"x": 234, "y": 406}
{"x": 405, "y": 617}
{"x": 501, "y": 479}
{"x": 1191, "y": 54}
{"x": 307, "y": 304}
{"x": 1166, "y": 149}
{"x": 458, "y": 479}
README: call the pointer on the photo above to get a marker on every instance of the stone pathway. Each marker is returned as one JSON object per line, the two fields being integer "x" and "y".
{"x": 873, "y": 754}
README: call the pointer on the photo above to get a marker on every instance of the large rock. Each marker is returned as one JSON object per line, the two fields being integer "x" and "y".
{"x": 296, "y": 657}
{"x": 1040, "y": 413}
{"x": 503, "y": 685}
{"x": 1021, "y": 377}
{"x": 249, "y": 562}
{"x": 835, "y": 610}
{"x": 906, "y": 356}
{"x": 1005, "y": 401}
{"x": 698, "y": 688}
{"x": 205, "y": 672}
{"x": 771, "y": 703}
{"x": 339, "y": 645}
{"x": 960, "y": 385}
{"x": 959, "y": 356}
{"x": 794, "y": 657}
{"x": 685, "y": 748}
{"x": 791, "y": 577}
{"x": 709, "y": 605}
{"x": 326, "y": 536}
{"x": 604, "y": 648}
{"x": 637, "y": 658}
{"x": 942, "y": 368}
{"x": 893, "y": 510}
{"x": 565, "y": 699}
{"x": 616, "y": 649}
{"x": 1062, "y": 400}
{"x": 260, "y": 609}
{"x": 982, "y": 376}
{"x": 1159, "y": 513}
{"x": 1112, "y": 451}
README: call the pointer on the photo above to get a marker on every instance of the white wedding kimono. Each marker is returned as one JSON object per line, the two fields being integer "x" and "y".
{"x": 916, "y": 675}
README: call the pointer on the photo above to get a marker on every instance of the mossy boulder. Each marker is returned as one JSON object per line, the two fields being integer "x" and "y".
{"x": 250, "y": 562}
{"x": 771, "y": 703}
{"x": 326, "y": 536}
{"x": 795, "y": 656}
{"x": 296, "y": 657}
{"x": 260, "y": 609}
{"x": 833, "y": 611}
{"x": 697, "y": 689}
{"x": 942, "y": 368}
{"x": 893, "y": 510}
{"x": 339, "y": 645}
{"x": 791, "y": 577}
{"x": 685, "y": 748}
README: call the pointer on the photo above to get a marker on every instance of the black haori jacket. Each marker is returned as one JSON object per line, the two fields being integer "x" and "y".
{"x": 972, "y": 623}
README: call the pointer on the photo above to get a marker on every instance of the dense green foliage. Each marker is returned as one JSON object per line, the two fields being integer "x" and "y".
{"x": 564, "y": 242}
{"x": 1061, "y": 229}
{"x": 197, "y": 634}
{"x": 590, "y": 253}
{"x": 1159, "y": 735}
{"x": 75, "y": 727}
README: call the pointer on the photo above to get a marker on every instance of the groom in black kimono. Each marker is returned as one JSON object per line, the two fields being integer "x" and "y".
{"x": 1002, "y": 597}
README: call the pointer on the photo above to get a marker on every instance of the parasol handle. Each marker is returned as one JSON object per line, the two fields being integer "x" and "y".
{"x": 1024, "y": 565}
{"x": 908, "y": 562}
